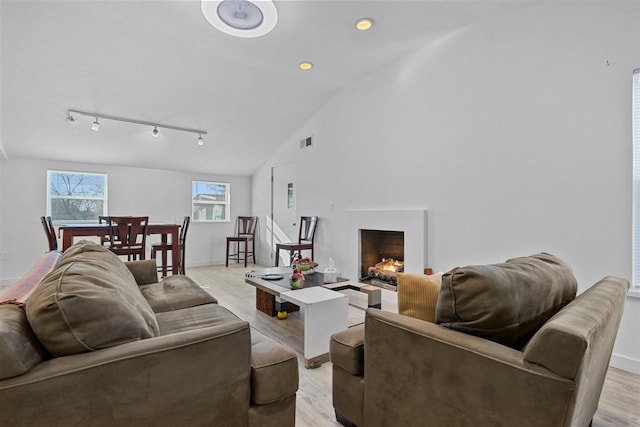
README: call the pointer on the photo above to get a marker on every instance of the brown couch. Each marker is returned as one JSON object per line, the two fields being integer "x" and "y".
{"x": 510, "y": 346}
{"x": 101, "y": 343}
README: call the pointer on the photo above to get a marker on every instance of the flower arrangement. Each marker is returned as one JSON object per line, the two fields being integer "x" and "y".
{"x": 303, "y": 264}
{"x": 299, "y": 265}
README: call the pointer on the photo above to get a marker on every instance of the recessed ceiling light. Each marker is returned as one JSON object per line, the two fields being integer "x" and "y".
{"x": 306, "y": 65}
{"x": 364, "y": 24}
{"x": 241, "y": 18}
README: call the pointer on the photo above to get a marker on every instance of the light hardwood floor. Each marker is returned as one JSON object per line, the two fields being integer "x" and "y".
{"x": 619, "y": 403}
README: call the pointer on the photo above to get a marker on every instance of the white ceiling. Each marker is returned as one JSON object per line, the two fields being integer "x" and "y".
{"x": 161, "y": 62}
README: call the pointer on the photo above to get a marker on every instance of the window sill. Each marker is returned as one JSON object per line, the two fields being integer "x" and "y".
{"x": 634, "y": 293}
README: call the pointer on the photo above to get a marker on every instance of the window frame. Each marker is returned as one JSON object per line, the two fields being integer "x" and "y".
{"x": 226, "y": 203}
{"x": 50, "y": 197}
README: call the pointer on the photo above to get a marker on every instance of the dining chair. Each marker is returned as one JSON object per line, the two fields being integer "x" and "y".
{"x": 47, "y": 224}
{"x": 306, "y": 236}
{"x": 164, "y": 248}
{"x": 246, "y": 233}
{"x": 103, "y": 219}
{"x": 128, "y": 236}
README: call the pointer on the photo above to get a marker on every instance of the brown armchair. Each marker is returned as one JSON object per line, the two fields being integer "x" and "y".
{"x": 420, "y": 373}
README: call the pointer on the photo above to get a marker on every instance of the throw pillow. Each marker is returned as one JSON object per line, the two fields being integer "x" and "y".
{"x": 418, "y": 295}
{"x": 90, "y": 301}
{"x": 506, "y": 302}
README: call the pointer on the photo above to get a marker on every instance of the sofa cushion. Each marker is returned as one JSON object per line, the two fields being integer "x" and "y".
{"x": 507, "y": 302}
{"x": 90, "y": 301}
{"x": 418, "y": 295}
{"x": 19, "y": 348}
{"x": 274, "y": 370}
{"x": 187, "y": 319}
{"x": 175, "y": 293}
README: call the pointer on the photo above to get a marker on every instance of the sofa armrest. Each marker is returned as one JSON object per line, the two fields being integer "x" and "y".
{"x": 346, "y": 349}
{"x": 144, "y": 271}
{"x": 200, "y": 376}
{"x": 449, "y": 377}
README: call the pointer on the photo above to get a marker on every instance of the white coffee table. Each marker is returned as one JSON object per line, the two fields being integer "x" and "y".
{"x": 325, "y": 312}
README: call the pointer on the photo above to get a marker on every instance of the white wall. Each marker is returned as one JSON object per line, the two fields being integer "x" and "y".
{"x": 515, "y": 135}
{"x": 165, "y": 196}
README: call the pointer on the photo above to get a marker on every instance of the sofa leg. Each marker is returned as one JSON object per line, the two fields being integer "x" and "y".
{"x": 343, "y": 420}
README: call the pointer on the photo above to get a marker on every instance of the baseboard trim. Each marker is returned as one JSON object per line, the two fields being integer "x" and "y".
{"x": 625, "y": 363}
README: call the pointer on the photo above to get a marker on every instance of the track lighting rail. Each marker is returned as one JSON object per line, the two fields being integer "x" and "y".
{"x": 97, "y": 116}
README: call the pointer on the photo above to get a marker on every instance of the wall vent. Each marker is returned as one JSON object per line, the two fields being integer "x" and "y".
{"x": 306, "y": 143}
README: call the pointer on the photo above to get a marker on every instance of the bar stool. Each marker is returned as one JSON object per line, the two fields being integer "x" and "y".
{"x": 167, "y": 247}
{"x": 246, "y": 226}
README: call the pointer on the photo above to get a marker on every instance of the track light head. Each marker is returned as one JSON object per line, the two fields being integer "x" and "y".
{"x": 155, "y": 132}
{"x": 200, "y": 141}
{"x": 95, "y": 126}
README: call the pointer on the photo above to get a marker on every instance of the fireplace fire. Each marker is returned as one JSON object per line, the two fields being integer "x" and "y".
{"x": 386, "y": 270}
{"x": 382, "y": 257}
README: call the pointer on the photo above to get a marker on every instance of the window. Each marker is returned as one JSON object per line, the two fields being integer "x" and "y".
{"x": 76, "y": 196}
{"x": 636, "y": 177}
{"x": 210, "y": 201}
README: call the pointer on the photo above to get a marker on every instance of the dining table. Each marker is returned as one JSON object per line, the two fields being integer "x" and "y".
{"x": 69, "y": 231}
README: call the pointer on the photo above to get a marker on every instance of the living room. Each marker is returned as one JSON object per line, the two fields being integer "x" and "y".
{"x": 513, "y": 132}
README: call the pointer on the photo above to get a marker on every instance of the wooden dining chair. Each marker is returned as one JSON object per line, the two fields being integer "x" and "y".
{"x": 47, "y": 224}
{"x": 128, "y": 236}
{"x": 164, "y": 248}
{"x": 104, "y": 219}
{"x": 245, "y": 235}
{"x": 306, "y": 236}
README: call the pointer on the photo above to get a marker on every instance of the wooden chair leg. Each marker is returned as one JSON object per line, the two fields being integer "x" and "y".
{"x": 227, "y": 261}
{"x": 277, "y": 255}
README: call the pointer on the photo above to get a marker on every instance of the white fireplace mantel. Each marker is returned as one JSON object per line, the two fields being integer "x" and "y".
{"x": 412, "y": 222}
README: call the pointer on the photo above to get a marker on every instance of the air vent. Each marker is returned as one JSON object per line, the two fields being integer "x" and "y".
{"x": 305, "y": 143}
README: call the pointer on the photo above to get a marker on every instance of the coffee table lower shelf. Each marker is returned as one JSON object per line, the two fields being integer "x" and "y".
{"x": 267, "y": 303}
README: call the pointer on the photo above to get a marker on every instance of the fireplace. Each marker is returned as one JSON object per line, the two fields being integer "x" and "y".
{"x": 411, "y": 223}
{"x": 381, "y": 257}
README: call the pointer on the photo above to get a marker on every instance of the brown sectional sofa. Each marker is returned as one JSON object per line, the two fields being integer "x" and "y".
{"x": 510, "y": 346}
{"x": 101, "y": 343}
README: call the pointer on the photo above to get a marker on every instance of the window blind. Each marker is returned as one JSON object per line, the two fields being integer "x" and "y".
{"x": 636, "y": 177}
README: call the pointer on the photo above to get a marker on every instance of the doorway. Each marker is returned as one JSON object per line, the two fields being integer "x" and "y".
{"x": 284, "y": 220}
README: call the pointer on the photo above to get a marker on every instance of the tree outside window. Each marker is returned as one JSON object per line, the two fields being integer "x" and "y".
{"x": 210, "y": 201}
{"x": 76, "y": 196}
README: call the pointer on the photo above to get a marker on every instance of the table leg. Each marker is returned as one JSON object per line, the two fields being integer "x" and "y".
{"x": 321, "y": 320}
{"x": 245, "y": 253}
{"x": 67, "y": 239}
{"x": 175, "y": 251}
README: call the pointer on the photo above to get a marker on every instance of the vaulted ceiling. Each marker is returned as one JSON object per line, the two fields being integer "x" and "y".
{"x": 162, "y": 62}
